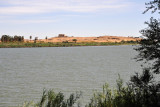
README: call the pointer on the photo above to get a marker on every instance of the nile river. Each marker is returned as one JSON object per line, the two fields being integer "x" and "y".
{"x": 25, "y": 72}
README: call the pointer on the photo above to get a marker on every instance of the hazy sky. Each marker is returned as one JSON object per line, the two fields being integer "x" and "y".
{"x": 72, "y": 17}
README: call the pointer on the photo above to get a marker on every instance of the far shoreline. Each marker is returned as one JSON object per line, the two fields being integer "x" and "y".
{"x": 70, "y": 44}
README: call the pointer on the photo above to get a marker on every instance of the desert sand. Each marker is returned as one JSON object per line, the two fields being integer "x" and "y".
{"x": 90, "y": 39}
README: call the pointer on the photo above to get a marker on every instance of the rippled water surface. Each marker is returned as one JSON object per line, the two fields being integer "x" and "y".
{"x": 24, "y": 72}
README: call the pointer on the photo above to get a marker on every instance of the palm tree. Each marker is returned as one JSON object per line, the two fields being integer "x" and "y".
{"x": 46, "y": 38}
{"x": 30, "y": 38}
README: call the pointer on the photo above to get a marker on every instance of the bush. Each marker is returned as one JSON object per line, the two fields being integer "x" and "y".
{"x": 140, "y": 92}
{"x": 52, "y": 99}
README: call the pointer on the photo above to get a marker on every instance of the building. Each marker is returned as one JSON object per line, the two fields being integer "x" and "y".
{"x": 62, "y": 35}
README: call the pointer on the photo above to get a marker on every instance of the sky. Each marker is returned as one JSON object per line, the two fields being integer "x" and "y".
{"x": 78, "y": 18}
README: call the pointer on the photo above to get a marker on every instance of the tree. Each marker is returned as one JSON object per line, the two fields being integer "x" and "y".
{"x": 46, "y": 38}
{"x": 16, "y": 38}
{"x": 149, "y": 48}
{"x": 75, "y": 40}
{"x": 7, "y": 38}
{"x": 149, "y": 51}
{"x": 30, "y": 38}
{"x": 2, "y": 38}
{"x": 22, "y": 38}
{"x": 153, "y": 5}
{"x": 35, "y": 40}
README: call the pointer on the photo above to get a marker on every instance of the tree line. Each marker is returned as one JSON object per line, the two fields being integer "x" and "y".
{"x": 7, "y": 38}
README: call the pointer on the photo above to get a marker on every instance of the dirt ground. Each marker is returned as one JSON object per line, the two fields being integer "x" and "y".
{"x": 88, "y": 39}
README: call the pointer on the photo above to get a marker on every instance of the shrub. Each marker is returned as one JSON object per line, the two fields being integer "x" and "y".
{"x": 146, "y": 94}
{"x": 52, "y": 99}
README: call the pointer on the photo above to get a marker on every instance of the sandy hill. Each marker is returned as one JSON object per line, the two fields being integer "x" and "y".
{"x": 90, "y": 39}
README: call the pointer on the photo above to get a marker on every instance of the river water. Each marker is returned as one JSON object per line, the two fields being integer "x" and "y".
{"x": 25, "y": 72}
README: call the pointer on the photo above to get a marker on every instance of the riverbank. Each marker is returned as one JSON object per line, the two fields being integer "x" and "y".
{"x": 63, "y": 44}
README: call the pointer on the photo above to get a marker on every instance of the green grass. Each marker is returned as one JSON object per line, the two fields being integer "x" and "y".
{"x": 69, "y": 44}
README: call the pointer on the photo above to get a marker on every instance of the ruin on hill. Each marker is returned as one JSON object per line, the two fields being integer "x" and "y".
{"x": 62, "y": 35}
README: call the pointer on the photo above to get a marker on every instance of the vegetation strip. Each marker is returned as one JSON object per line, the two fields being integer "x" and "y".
{"x": 68, "y": 44}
